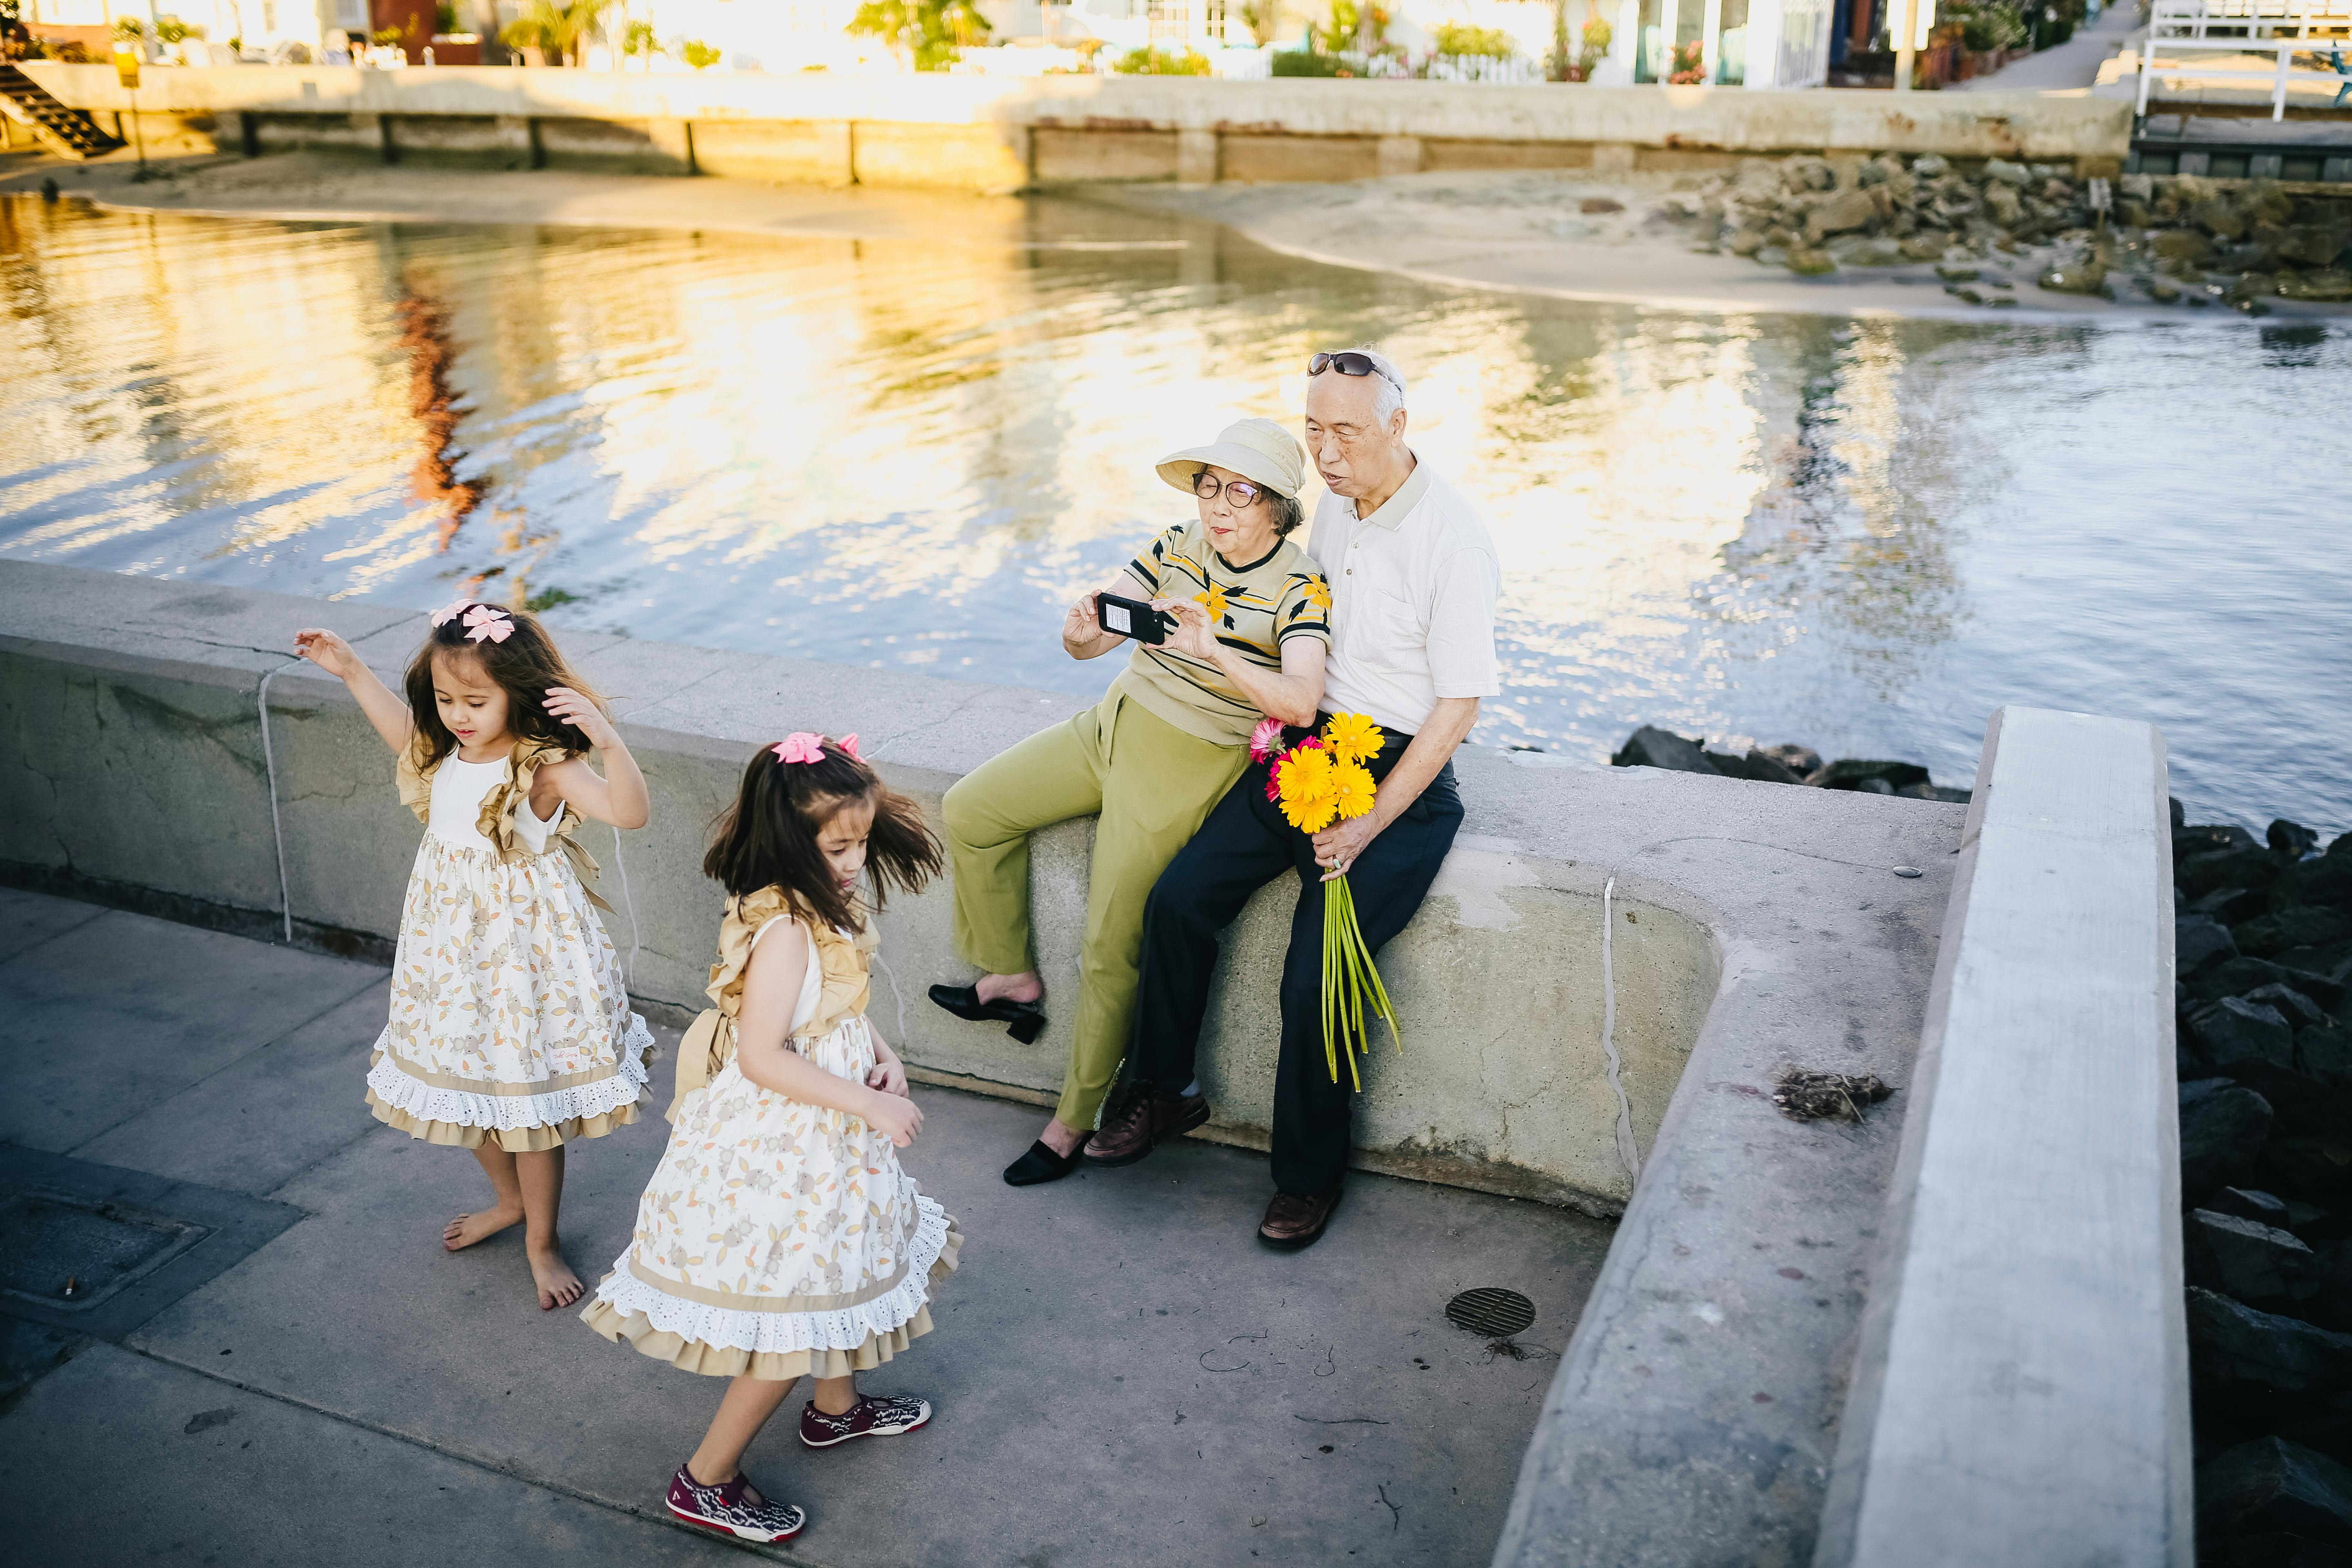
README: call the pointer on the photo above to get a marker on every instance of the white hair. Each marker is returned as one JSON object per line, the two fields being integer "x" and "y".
{"x": 1389, "y": 397}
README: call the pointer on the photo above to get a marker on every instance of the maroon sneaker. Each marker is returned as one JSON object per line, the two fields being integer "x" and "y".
{"x": 1146, "y": 1120}
{"x": 871, "y": 1416}
{"x": 732, "y": 1508}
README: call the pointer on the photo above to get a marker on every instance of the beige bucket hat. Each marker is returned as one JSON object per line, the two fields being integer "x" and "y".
{"x": 1256, "y": 449}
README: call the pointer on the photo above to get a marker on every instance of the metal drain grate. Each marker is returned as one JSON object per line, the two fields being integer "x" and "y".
{"x": 47, "y": 1239}
{"x": 1495, "y": 1313}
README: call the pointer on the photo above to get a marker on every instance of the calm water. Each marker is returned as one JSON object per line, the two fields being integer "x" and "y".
{"x": 1860, "y": 535}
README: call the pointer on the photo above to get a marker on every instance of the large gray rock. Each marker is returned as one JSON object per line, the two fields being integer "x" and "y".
{"x": 2248, "y": 1260}
{"x": 2234, "y": 1349}
{"x": 2296, "y": 925}
{"x": 1651, "y": 747}
{"x": 2264, "y": 1208}
{"x": 2325, "y": 1055}
{"x": 2272, "y": 1487}
{"x": 1840, "y": 213}
{"x": 2236, "y": 976}
{"x": 2251, "y": 867}
{"x": 2234, "y": 1030}
{"x": 2291, "y": 1005}
{"x": 2199, "y": 942}
{"x": 2222, "y": 1126}
{"x": 1863, "y": 773}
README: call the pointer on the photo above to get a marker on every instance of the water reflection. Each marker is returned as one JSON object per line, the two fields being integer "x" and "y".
{"x": 910, "y": 452}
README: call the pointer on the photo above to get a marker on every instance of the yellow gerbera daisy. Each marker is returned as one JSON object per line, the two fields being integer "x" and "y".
{"x": 1307, "y": 773}
{"x": 1353, "y": 737}
{"x": 1351, "y": 792}
{"x": 1309, "y": 816}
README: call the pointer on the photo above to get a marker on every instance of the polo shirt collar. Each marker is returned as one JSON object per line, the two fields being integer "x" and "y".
{"x": 1394, "y": 510}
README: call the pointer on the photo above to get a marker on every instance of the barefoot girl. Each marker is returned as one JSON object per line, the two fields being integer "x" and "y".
{"x": 779, "y": 1237}
{"x": 510, "y": 1032}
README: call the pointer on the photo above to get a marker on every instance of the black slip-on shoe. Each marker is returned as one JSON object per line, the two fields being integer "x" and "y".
{"x": 1041, "y": 1164}
{"x": 1024, "y": 1021}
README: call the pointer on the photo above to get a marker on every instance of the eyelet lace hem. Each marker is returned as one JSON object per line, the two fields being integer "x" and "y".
{"x": 783, "y": 1332}
{"x": 504, "y": 1112}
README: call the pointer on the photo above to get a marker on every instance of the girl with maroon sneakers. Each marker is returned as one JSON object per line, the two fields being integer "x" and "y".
{"x": 778, "y": 1238}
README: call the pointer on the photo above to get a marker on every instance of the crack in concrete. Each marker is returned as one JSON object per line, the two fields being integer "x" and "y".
{"x": 459, "y": 1455}
{"x": 1628, "y": 1152}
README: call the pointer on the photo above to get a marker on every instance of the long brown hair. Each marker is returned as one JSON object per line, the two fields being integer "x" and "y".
{"x": 524, "y": 667}
{"x": 768, "y": 838}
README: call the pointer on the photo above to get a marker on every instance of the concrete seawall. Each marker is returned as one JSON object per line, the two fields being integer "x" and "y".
{"x": 979, "y": 133}
{"x": 1709, "y": 933}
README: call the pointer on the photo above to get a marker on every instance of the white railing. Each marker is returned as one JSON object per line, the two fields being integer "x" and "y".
{"x": 2250, "y": 20}
{"x": 2281, "y": 28}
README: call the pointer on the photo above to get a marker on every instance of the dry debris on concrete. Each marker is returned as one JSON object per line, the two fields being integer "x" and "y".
{"x": 1804, "y": 1095}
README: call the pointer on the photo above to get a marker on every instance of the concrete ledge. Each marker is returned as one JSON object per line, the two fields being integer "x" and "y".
{"x": 2022, "y": 1393}
{"x": 1747, "y": 925}
{"x": 978, "y": 133}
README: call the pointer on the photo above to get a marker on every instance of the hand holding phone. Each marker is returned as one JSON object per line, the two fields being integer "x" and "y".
{"x": 1133, "y": 618}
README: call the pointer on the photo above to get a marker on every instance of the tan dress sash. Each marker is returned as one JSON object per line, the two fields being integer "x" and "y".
{"x": 842, "y": 964}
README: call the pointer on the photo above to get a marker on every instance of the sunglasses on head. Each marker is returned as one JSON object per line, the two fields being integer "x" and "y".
{"x": 1348, "y": 363}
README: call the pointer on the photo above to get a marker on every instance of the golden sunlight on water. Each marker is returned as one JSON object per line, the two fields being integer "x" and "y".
{"x": 1863, "y": 536}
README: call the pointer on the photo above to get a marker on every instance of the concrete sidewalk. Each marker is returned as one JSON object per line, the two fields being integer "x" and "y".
{"x": 2072, "y": 64}
{"x": 316, "y": 1380}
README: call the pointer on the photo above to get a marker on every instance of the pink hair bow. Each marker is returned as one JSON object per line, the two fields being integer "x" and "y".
{"x": 801, "y": 746}
{"x": 451, "y": 611}
{"x": 482, "y": 621}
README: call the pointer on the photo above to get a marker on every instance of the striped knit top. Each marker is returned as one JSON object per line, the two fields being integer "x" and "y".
{"x": 1257, "y": 607}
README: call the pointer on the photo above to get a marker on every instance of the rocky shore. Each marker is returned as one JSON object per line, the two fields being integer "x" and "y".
{"x": 2175, "y": 240}
{"x": 1649, "y": 747}
{"x": 2263, "y": 953}
{"x": 2263, "y": 960}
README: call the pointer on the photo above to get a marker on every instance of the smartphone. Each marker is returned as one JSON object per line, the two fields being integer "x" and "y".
{"x": 1133, "y": 618}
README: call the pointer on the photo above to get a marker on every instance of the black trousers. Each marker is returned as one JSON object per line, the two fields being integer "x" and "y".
{"x": 1244, "y": 845}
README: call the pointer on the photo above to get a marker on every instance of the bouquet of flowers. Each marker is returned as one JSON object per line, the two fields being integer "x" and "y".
{"x": 1318, "y": 782}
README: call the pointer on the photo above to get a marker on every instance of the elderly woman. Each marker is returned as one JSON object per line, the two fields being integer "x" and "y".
{"x": 1252, "y": 618}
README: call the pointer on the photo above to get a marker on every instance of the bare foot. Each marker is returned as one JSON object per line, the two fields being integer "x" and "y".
{"x": 1009, "y": 987}
{"x": 1061, "y": 1138}
{"x": 558, "y": 1286}
{"x": 470, "y": 1228}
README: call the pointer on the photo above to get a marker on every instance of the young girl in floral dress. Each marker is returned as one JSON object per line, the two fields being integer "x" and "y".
{"x": 778, "y": 1238}
{"x": 510, "y": 1032}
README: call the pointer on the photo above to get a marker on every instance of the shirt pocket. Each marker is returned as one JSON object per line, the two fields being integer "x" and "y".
{"x": 1388, "y": 633}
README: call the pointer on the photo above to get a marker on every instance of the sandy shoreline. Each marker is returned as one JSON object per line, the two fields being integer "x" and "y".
{"x": 1517, "y": 232}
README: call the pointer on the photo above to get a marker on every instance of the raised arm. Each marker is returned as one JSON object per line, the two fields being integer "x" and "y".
{"x": 772, "y": 989}
{"x": 619, "y": 796}
{"x": 383, "y": 707}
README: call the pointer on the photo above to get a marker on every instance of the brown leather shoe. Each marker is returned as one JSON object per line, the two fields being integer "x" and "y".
{"x": 1292, "y": 1223}
{"x": 1142, "y": 1123}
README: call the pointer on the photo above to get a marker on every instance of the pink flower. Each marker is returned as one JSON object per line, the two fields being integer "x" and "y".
{"x": 1265, "y": 740}
{"x": 800, "y": 746}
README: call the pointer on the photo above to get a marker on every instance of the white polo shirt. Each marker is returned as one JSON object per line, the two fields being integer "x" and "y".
{"x": 1413, "y": 602}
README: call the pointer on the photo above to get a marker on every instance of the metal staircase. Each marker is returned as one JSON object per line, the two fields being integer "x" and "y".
{"x": 66, "y": 132}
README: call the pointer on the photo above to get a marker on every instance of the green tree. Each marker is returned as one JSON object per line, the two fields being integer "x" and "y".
{"x": 1154, "y": 60}
{"x": 929, "y": 30}
{"x": 559, "y": 29}
{"x": 1263, "y": 18}
{"x": 698, "y": 54}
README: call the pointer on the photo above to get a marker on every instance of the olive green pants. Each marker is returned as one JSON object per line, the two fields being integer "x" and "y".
{"x": 1153, "y": 785}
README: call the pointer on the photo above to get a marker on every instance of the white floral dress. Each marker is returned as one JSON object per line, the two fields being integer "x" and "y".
{"x": 777, "y": 1238}
{"x": 509, "y": 1020}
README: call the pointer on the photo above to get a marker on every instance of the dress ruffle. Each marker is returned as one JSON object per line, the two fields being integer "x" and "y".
{"x": 519, "y": 1123}
{"x": 722, "y": 1341}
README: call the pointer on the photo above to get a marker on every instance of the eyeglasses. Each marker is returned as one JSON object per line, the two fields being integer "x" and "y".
{"x": 1350, "y": 362}
{"x": 1240, "y": 493}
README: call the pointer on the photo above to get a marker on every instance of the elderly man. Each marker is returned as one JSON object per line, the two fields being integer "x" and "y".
{"x": 1413, "y": 578}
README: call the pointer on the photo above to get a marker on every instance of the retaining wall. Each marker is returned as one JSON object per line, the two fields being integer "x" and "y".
{"x": 1748, "y": 927}
{"x": 976, "y": 132}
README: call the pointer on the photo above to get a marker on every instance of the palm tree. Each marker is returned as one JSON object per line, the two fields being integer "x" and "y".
{"x": 559, "y": 29}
